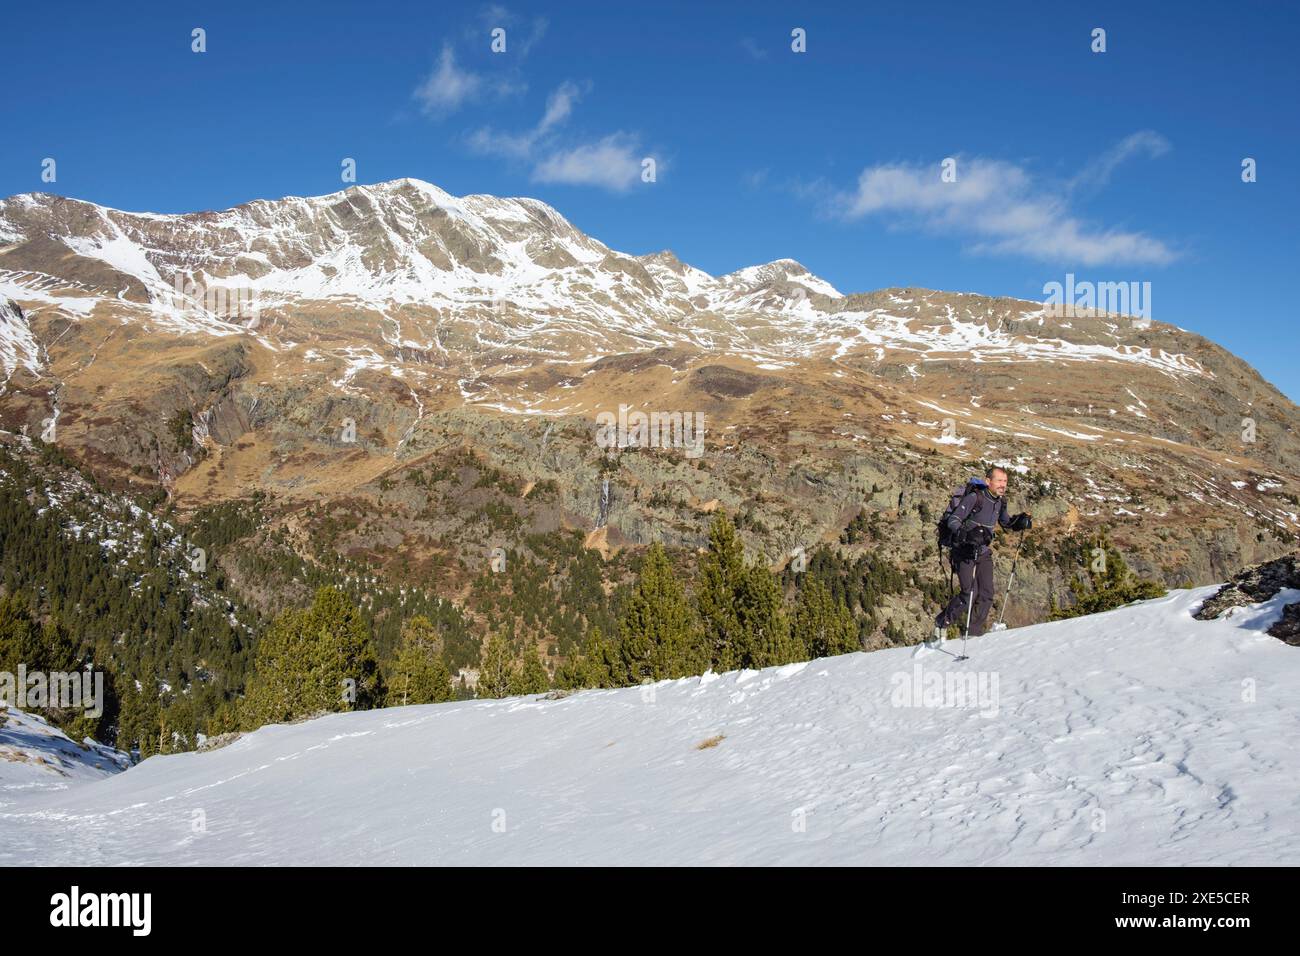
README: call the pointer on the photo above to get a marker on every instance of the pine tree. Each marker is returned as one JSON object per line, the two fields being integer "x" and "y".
{"x": 224, "y": 720}
{"x": 497, "y": 670}
{"x": 138, "y": 722}
{"x": 594, "y": 667}
{"x": 20, "y": 635}
{"x": 721, "y": 576}
{"x": 823, "y": 626}
{"x": 280, "y": 685}
{"x": 658, "y": 635}
{"x": 572, "y": 674}
{"x": 1113, "y": 586}
{"x": 312, "y": 661}
{"x": 531, "y": 678}
{"x": 765, "y": 627}
{"x": 58, "y": 647}
{"x": 740, "y": 606}
{"x": 347, "y": 671}
{"x": 419, "y": 674}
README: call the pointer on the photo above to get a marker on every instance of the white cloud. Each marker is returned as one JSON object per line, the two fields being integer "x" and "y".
{"x": 1144, "y": 142}
{"x": 448, "y": 87}
{"x": 559, "y": 106}
{"x": 510, "y": 145}
{"x": 451, "y": 86}
{"x": 612, "y": 163}
{"x": 902, "y": 188}
{"x": 998, "y": 208}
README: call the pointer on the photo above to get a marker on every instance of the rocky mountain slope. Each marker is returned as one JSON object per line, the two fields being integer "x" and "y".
{"x": 344, "y": 349}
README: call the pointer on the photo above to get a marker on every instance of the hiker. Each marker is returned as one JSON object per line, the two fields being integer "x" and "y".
{"x": 970, "y": 523}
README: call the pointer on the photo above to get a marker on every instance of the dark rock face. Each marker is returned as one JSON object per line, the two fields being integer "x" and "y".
{"x": 1256, "y": 584}
{"x": 1288, "y": 628}
{"x": 723, "y": 382}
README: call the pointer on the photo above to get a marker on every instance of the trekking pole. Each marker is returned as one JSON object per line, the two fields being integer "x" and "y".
{"x": 970, "y": 606}
{"x": 1010, "y": 583}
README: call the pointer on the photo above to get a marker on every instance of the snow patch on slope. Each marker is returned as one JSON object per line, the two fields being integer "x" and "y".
{"x": 35, "y": 756}
{"x": 17, "y": 345}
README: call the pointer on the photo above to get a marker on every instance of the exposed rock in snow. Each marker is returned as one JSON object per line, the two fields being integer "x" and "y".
{"x": 1260, "y": 583}
{"x": 37, "y": 756}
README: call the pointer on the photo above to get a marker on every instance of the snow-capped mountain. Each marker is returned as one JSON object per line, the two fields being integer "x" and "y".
{"x": 405, "y": 243}
{"x": 322, "y": 347}
{"x": 408, "y": 253}
{"x": 1136, "y": 737}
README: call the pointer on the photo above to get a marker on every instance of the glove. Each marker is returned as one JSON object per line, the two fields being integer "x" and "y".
{"x": 1021, "y": 522}
{"x": 976, "y": 535}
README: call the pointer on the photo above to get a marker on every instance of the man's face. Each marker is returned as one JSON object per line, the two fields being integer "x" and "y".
{"x": 998, "y": 483}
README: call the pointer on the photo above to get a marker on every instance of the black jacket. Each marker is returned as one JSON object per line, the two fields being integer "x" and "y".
{"x": 983, "y": 507}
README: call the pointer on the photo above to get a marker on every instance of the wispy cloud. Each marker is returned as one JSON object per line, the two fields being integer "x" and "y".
{"x": 450, "y": 86}
{"x": 613, "y": 163}
{"x": 559, "y": 106}
{"x": 1145, "y": 142}
{"x": 751, "y": 47}
{"x": 998, "y": 208}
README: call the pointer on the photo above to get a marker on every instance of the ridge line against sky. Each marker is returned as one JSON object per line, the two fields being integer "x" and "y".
{"x": 339, "y": 192}
{"x": 1122, "y": 165}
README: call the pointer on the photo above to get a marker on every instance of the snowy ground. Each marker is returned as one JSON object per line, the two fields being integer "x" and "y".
{"x": 1136, "y": 737}
{"x": 38, "y": 757}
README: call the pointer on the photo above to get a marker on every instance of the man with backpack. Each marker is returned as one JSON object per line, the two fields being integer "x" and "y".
{"x": 967, "y": 530}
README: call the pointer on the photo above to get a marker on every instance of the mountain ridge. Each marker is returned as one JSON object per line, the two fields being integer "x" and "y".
{"x": 396, "y": 324}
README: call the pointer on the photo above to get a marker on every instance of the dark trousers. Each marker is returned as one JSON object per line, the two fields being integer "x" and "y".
{"x": 975, "y": 574}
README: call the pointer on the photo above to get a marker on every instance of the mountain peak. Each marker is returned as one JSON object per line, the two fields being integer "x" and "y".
{"x": 782, "y": 270}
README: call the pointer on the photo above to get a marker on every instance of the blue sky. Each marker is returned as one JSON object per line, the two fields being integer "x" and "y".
{"x": 1115, "y": 166}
